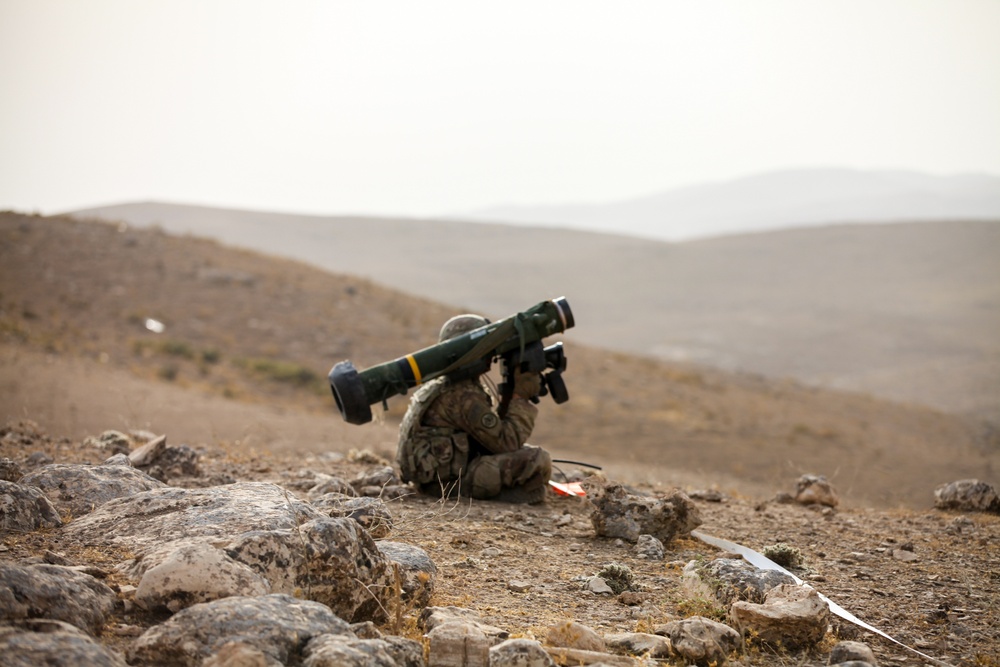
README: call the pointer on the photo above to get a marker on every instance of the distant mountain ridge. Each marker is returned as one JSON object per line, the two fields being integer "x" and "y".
{"x": 775, "y": 200}
{"x": 906, "y": 311}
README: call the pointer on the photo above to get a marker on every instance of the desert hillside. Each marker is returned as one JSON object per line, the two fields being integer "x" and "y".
{"x": 247, "y": 341}
{"x": 905, "y": 311}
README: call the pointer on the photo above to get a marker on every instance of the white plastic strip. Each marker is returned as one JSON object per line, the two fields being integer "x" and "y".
{"x": 765, "y": 563}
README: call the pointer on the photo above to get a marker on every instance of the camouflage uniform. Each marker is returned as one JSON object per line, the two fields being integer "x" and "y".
{"x": 453, "y": 441}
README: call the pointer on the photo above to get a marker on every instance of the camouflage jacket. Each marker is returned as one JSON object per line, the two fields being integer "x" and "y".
{"x": 447, "y": 422}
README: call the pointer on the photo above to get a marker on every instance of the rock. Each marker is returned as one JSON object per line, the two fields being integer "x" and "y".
{"x": 638, "y": 643}
{"x": 519, "y": 653}
{"x": 197, "y": 573}
{"x": 54, "y": 592}
{"x": 331, "y": 485}
{"x": 278, "y": 626}
{"x": 342, "y": 651}
{"x": 174, "y": 463}
{"x": 163, "y": 514}
{"x": 701, "y": 641}
{"x": 114, "y": 442}
{"x": 791, "y": 615}
{"x": 598, "y": 586}
{"x": 458, "y": 643}
{"x": 77, "y": 490}
{"x": 617, "y": 513}
{"x": 146, "y": 454}
{"x": 287, "y": 542}
{"x": 417, "y": 570}
{"x": 649, "y": 547}
{"x": 731, "y": 579}
{"x": 117, "y": 460}
{"x": 240, "y": 654}
{"x": 25, "y": 508}
{"x": 9, "y": 470}
{"x": 905, "y": 555}
{"x": 815, "y": 490}
{"x": 432, "y": 617}
{"x": 377, "y": 478}
{"x": 330, "y": 560}
{"x": 848, "y": 651}
{"x": 371, "y": 513}
{"x": 570, "y": 634}
{"x": 969, "y": 495}
{"x": 54, "y": 644}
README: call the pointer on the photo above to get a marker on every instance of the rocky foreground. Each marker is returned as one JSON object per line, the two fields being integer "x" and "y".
{"x": 125, "y": 549}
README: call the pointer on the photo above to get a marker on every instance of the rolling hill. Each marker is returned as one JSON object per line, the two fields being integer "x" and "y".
{"x": 246, "y": 341}
{"x": 905, "y": 311}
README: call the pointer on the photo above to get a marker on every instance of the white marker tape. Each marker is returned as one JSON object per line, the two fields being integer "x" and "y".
{"x": 765, "y": 563}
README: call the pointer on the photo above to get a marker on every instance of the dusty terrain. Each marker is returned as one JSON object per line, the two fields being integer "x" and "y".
{"x": 238, "y": 373}
{"x": 905, "y": 311}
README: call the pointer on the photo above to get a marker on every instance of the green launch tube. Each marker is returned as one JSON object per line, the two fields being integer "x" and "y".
{"x": 356, "y": 391}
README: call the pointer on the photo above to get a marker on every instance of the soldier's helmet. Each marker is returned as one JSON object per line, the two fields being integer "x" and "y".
{"x": 461, "y": 324}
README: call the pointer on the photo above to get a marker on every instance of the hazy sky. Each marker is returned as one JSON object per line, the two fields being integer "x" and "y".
{"x": 419, "y": 108}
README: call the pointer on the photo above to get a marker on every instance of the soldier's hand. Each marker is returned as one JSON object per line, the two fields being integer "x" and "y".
{"x": 527, "y": 385}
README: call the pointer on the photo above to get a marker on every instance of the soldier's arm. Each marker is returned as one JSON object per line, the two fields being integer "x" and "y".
{"x": 474, "y": 414}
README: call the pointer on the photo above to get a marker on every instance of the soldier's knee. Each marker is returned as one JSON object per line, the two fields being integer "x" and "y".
{"x": 542, "y": 462}
{"x": 484, "y": 479}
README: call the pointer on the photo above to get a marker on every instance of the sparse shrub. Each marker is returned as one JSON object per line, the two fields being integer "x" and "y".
{"x": 177, "y": 348}
{"x": 783, "y": 555}
{"x": 168, "y": 372}
{"x": 283, "y": 371}
{"x": 619, "y": 577}
{"x": 701, "y": 606}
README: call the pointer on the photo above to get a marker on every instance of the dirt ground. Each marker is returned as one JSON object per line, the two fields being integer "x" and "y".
{"x": 523, "y": 568}
{"x": 239, "y": 374}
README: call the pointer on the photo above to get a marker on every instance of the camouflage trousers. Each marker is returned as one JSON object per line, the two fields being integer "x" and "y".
{"x": 519, "y": 476}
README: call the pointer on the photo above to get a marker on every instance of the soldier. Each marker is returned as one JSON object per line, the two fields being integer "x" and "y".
{"x": 452, "y": 441}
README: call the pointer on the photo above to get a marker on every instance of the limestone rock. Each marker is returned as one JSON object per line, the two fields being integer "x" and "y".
{"x": 163, "y": 514}
{"x": 848, "y": 651}
{"x": 52, "y": 643}
{"x": 328, "y": 484}
{"x": 113, "y": 442}
{"x": 146, "y": 454}
{"x": 638, "y": 643}
{"x": 791, "y": 615}
{"x": 372, "y": 481}
{"x": 25, "y": 508}
{"x": 9, "y": 470}
{"x": 969, "y": 495}
{"x": 284, "y": 541}
{"x": 618, "y": 513}
{"x": 731, "y": 579}
{"x": 239, "y": 654}
{"x": 571, "y": 634}
{"x": 76, "y": 490}
{"x": 650, "y": 548}
{"x": 432, "y": 617}
{"x": 816, "y": 490}
{"x": 458, "y": 643}
{"x": 371, "y": 513}
{"x": 173, "y": 463}
{"x": 342, "y": 651}
{"x": 701, "y": 640}
{"x": 54, "y": 592}
{"x": 279, "y": 626}
{"x": 416, "y": 568}
{"x": 519, "y": 653}
{"x": 196, "y": 573}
